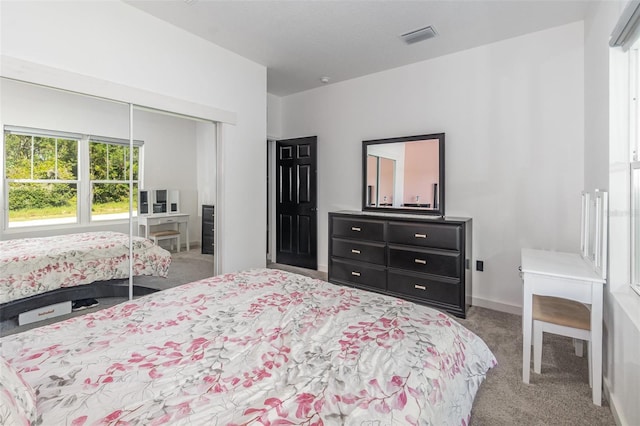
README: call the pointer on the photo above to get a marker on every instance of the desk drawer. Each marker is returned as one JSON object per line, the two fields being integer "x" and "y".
{"x": 361, "y": 229}
{"x": 359, "y": 250}
{"x": 160, "y": 221}
{"x": 358, "y": 273}
{"x": 425, "y": 235}
{"x": 414, "y": 285}
{"x": 426, "y": 261}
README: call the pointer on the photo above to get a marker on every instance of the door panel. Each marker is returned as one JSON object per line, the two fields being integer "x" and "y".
{"x": 304, "y": 190}
{"x": 296, "y": 207}
{"x": 285, "y": 234}
{"x": 304, "y": 235}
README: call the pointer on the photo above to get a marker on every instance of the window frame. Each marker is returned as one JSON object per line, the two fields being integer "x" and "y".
{"x": 84, "y": 183}
{"x": 37, "y": 133}
{"x": 634, "y": 166}
{"x": 90, "y": 185}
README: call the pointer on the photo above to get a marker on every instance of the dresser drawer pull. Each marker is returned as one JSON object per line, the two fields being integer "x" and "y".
{"x": 355, "y": 251}
{"x": 419, "y": 287}
{"x": 420, "y": 261}
{"x": 420, "y": 235}
{"x": 355, "y": 274}
{"x": 356, "y": 228}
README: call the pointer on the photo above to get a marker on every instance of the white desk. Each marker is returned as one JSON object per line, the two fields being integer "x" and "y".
{"x": 566, "y": 275}
{"x": 180, "y": 219}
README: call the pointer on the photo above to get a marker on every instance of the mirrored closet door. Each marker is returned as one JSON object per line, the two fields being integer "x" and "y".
{"x": 75, "y": 163}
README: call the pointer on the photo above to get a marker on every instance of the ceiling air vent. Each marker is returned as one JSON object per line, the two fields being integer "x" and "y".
{"x": 419, "y": 35}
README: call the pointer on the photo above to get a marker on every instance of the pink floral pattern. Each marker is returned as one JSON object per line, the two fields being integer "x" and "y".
{"x": 257, "y": 347}
{"x": 17, "y": 399}
{"x": 31, "y": 266}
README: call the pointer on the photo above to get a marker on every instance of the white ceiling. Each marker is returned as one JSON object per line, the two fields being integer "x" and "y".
{"x": 301, "y": 41}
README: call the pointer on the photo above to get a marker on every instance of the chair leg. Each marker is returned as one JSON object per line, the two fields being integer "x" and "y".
{"x": 178, "y": 242}
{"x": 537, "y": 347}
{"x": 578, "y": 345}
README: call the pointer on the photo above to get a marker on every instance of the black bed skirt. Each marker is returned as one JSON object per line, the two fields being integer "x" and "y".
{"x": 96, "y": 290}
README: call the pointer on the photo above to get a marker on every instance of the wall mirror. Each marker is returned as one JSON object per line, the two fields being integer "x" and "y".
{"x": 404, "y": 174}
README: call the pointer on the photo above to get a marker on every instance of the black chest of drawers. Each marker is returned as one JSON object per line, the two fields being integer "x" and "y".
{"x": 419, "y": 259}
{"x": 208, "y": 229}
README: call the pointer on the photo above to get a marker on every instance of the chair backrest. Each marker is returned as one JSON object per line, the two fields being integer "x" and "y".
{"x": 594, "y": 237}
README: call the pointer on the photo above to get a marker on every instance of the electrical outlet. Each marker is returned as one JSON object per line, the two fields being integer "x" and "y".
{"x": 479, "y": 265}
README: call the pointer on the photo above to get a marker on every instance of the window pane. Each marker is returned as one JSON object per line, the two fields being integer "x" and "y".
{"x": 111, "y": 162}
{"x": 111, "y": 201}
{"x": 118, "y": 162}
{"x": 17, "y": 156}
{"x": 44, "y": 158}
{"x": 42, "y": 203}
{"x": 98, "y": 160}
{"x": 67, "y": 159}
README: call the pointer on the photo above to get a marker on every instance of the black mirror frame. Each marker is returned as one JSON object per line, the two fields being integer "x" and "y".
{"x": 441, "y": 183}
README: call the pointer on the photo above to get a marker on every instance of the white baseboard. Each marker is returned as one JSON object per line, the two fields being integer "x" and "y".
{"x": 323, "y": 268}
{"x": 496, "y": 306}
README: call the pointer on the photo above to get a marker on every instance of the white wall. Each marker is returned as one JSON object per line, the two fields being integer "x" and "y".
{"x": 512, "y": 112}
{"x": 274, "y": 117}
{"x": 116, "y": 43}
{"x": 606, "y": 166}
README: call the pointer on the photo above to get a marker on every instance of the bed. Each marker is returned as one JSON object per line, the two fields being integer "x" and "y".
{"x": 35, "y": 272}
{"x": 257, "y": 347}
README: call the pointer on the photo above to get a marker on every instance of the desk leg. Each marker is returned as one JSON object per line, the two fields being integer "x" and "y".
{"x": 146, "y": 230}
{"x": 527, "y": 305}
{"x": 186, "y": 233}
{"x": 596, "y": 342}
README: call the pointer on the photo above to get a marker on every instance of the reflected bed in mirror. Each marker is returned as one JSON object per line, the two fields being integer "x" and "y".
{"x": 404, "y": 174}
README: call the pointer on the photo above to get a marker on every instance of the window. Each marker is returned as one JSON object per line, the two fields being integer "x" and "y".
{"x": 624, "y": 171}
{"x": 54, "y": 178}
{"x": 634, "y": 166}
{"x": 109, "y": 177}
{"x": 42, "y": 179}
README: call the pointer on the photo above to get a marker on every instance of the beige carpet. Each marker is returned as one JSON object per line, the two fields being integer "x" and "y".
{"x": 559, "y": 396}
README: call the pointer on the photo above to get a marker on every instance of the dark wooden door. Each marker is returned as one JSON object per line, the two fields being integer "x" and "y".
{"x": 297, "y": 202}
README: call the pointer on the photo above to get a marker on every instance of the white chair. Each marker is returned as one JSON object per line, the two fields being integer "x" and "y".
{"x": 169, "y": 234}
{"x": 563, "y": 317}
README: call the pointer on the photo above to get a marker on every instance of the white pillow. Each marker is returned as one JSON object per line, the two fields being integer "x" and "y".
{"x": 17, "y": 398}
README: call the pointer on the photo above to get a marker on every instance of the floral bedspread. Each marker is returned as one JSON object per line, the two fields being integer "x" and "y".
{"x": 30, "y": 266}
{"x": 258, "y": 347}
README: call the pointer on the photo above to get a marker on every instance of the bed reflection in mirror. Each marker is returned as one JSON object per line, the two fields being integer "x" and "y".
{"x": 404, "y": 173}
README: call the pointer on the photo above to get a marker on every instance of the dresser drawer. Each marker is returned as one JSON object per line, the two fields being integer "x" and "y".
{"x": 207, "y": 212}
{"x": 426, "y": 261}
{"x": 425, "y": 235}
{"x": 361, "y": 229}
{"x": 406, "y": 283}
{"x": 208, "y": 245}
{"x": 359, "y": 250}
{"x": 360, "y": 274}
{"x": 207, "y": 227}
